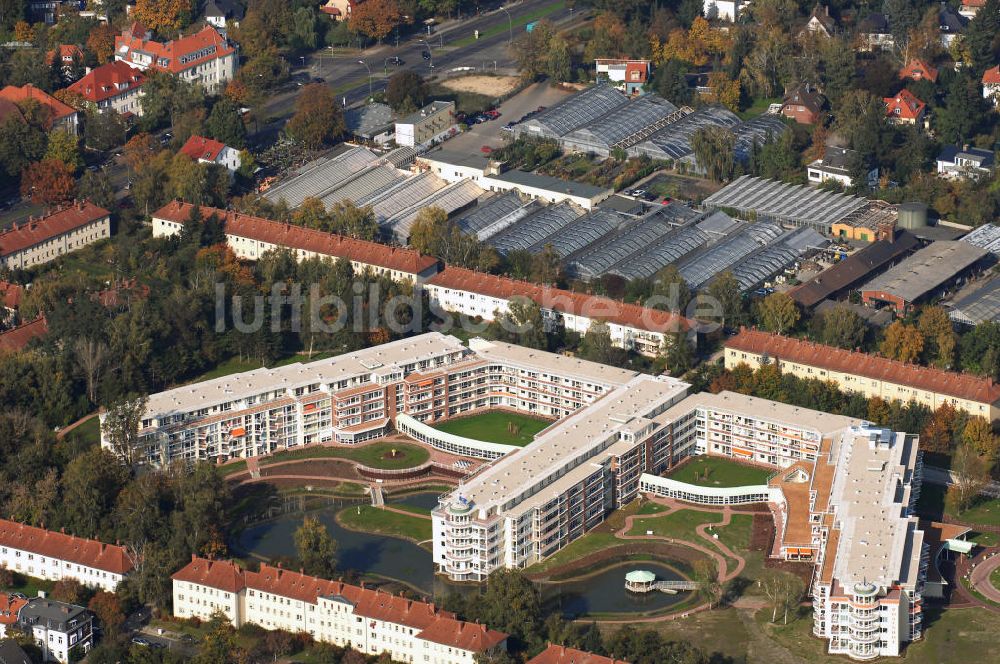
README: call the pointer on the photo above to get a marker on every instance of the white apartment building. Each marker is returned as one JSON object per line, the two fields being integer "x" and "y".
{"x": 420, "y": 128}
{"x": 528, "y": 505}
{"x": 114, "y": 86}
{"x": 51, "y": 555}
{"x": 370, "y": 621}
{"x": 41, "y": 240}
{"x": 57, "y": 628}
{"x": 205, "y": 57}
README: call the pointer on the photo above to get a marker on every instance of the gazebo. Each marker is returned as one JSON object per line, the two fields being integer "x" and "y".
{"x": 640, "y": 581}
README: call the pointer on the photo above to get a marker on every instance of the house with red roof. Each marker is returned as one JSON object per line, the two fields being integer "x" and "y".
{"x": 871, "y": 375}
{"x": 991, "y": 85}
{"x": 209, "y": 151}
{"x": 54, "y": 555}
{"x": 555, "y": 654}
{"x": 67, "y": 54}
{"x": 918, "y": 70}
{"x": 10, "y": 606}
{"x": 17, "y": 338}
{"x": 905, "y": 108}
{"x": 627, "y": 75}
{"x": 115, "y": 86}
{"x": 59, "y": 232}
{"x": 205, "y": 57}
{"x": 338, "y": 10}
{"x": 369, "y": 620}
{"x": 10, "y": 302}
{"x": 969, "y": 8}
{"x": 60, "y": 116}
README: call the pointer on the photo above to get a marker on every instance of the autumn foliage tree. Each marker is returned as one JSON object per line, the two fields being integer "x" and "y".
{"x": 108, "y": 609}
{"x": 48, "y": 182}
{"x": 101, "y": 42}
{"x": 375, "y": 18}
{"x": 163, "y": 15}
{"x": 902, "y": 342}
{"x": 318, "y": 118}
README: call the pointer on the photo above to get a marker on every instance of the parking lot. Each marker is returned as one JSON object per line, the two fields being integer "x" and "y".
{"x": 512, "y": 110}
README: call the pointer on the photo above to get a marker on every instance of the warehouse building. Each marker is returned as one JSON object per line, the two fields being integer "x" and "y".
{"x": 762, "y": 264}
{"x": 496, "y": 214}
{"x": 530, "y": 231}
{"x": 451, "y": 199}
{"x": 572, "y": 113}
{"x": 760, "y": 199}
{"x": 547, "y": 188}
{"x": 623, "y": 127}
{"x": 985, "y": 237}
{"x": 980, "y": 306}
{"x": 698, "y": 270}
{"x": 928, "y": 272}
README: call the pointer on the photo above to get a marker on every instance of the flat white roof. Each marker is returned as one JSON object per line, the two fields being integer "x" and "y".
{"x": 553, "y": 363}
{"x": 209, "y": 393}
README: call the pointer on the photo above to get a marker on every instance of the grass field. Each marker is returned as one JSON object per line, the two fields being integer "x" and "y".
{"x": 28, "y": 585}
{"x": 707, "y": 470}
{"x": 932, "y": 505}
{"x": 374, "y": 520}
{"x": 494, "y": 427}
{"x": 516, "y": 26}
{"x": 373, "y": 455}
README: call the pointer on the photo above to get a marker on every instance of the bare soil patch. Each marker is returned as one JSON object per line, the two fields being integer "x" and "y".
{"x": 490, "y": 86}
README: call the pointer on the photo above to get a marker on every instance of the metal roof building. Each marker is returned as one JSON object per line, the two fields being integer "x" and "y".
{"x": 758, "y": 129}
{"x": 535, "y": 228}
{"x": 496, "y": 214}
{"x": 674, "y": 140}
{"x": 572, "y": 112}
{"x": 777, "y": 202}
{"x": 321, "y": 176}
{"x": 986, "y": 237}
{"x": 676, "y": 245}
{"x": 451, "y": 199}
{"x": 404, "y": 195}
{"x": 583, "y": 232}
{"x": 631, "y": 240}
{"x": 923, "y": 273}
{"x": 980, "y": 306}
{"x": 623, "y": 127}
{"x": 365, "y": 184}
{"x": 760, "y": 266}
{"x": 699, "y": 270}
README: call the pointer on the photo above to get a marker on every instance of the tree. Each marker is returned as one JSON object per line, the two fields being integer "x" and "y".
{"x": 970, "y": 476}
{"x": 778, "y": 313}
{"x": 316, "y": 549}
{"x": 89, "y": 486}
{"x": 964, "y": 109}
{"x": 68, "y": 590}
{"x": 434, "y": 234}
{"x": 103, "y": 130}
{"x": 522, "y": 324}
{"x": 101, "y": 42}
{"x": 225, "y": 124}
{"x": 120, "y": 427}
{"x": 978, "y": 435}
{"x": 92, "y": 356}
{"x": 597, "y": 345}
{"x": 840, "y": 326}
{"x": 724, "y": 293}
{"x": 714, "y": 150}
{"x": 164, "y": 16}
{"x": 108, "y": 609}
{"x": 936, "y": 327}
{"x": 678, "y": 353}
{"x": 63, "y": 146}
{"x": 559, "y": 64}
{"x": 510, "y": 604}
{"x": 708, "y": 583}
{"x": 671, "y": 289}
{"x": 48, "y": 182}
{"x": 782, "y": 589}
{"x": 20, "y": 144}
{"x": 902, "y": 342}
{"x": 95, "y": 186}
{"x": 375, "y": 18}
{"x": 318, "y": 118}
{"x": 609, "y": 38}
{"x": 939, "y": 432}
{"x": 546, "y": 266}
{"x": 406, "y": 91}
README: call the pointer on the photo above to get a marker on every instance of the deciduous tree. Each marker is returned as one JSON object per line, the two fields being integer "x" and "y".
{"x": 316, "y": 549}
{"x": 971, "y": 475}
{"x": 163, "y": 16}
{"x": 121, "y": 428}
{"x": 778, "y": 313}
{"x": 714, "y": 150}
{"x": 48, "y": 182}
{"x": 318, "y": 118}
{"x": 375, "y": 18}
{"x": 405, "y": 91}
{"x": 101, "y": 42}
{"x": 64, "y": 146}
{"x": 108, "y": 609}
{"x": 902, "y": 342}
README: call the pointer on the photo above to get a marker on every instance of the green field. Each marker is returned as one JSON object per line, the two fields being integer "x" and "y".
{"x": 496, "y": 426}
{"x": 707, "y": 470}
{"x": 374, "y": 455}
{"x": 374, "y": 520}
{"x": 28, "y": 585}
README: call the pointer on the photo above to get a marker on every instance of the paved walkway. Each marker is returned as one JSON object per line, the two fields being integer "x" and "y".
{"x": 390, "y": 508}
{"x": 980, "y": 577}
{"x": 69, "y": 427}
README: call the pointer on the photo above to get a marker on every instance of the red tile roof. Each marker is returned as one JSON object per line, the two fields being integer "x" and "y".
{"x": 992, "y": 76}
{"x": 77, "y": 550}
{"x": 917, "y": 69}
{"x": 562, "y": 655}
{"x": 18, "y": 338}
{"x": 9, "y": 608}
{"x": 199, "y": 147}
{"x": 960, "y": 385}
{"x": 10, "y": 295}
{"x": 66, "y": 53}
{"x": 567, "y": 302}
{"x": 910, "y": 108}
{"x": 638, "y": 69}
{"x": 435, "y": 624}
{"x": 106, "y": 81}
{"x": 167, "y": 55}
{"x": 22, "y": 94}
{"x": 63, "y": 220}
{"x": 297, "y": 237}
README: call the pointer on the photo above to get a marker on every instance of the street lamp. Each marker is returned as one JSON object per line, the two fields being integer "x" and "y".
{"x": 385, "y": 67}
{"x": 510, "y": 24}
{"x": 362, "y": 62}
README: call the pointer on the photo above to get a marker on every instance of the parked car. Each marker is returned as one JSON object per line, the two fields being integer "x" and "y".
{"x": 395, "y": 61}
{"x": 486, "y": 150}
{"x": 426, "y": 55}
{"x": 139, "y": 641}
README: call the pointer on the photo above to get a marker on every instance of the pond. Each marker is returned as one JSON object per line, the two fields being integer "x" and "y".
{"x": 387, "y": 557}
{"x": 604, "y": 592}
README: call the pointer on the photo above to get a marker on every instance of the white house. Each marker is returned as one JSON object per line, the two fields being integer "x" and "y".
{"x": 964, "y": 162}
{"x": 40, "y": 240}
{"x": 57, "y": 627}
{"x": 370, "y": 621}
{"x": 991, "y": 85}
{"x": 431, "y": 122}
{"x": 209, "y": 151}
{"x": 205, "y": 57}
{"x": 724, "y": 10}
{"x": 115, "y": 86}
{"x": 835, "y": 165}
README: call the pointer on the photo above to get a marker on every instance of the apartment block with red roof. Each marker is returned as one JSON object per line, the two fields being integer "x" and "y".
{"x": 210, "y": 151}
{"x": 60, "y": 116}
{"x": 870, "y": 375}
{"x": 205, "y": 57}
{"x": 60, "y": 232}
{"x": 115, "y": 85}
{"x": 367, "y": 620}
{"x": 905, "y": 108}
{"x": 51, "y": 555}
{"x": 555, "y": 654}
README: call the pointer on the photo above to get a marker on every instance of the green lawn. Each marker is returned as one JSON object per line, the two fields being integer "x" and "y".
{"x": 496, "y": 426}
{"x": 374, "y": 520}
{"x": 984, "y": 539}
{"x": 516, "y": 26}
{"x": 985, "y": 511}
{"x": 759, "y": 106}
{"x": 682, "y": 525}
{"x": 708, "y": 470}
{"x": 374, "y": 455}
{"x": 578, "y": 548}
{"x": 28, "y": 585}
{"x": 737, "y": 534}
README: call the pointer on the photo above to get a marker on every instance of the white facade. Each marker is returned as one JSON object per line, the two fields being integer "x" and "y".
{"x": 53, "y": 569}
{"x": 57, "y": 628}
{"x": 228, "y": 157}
{"x": 48, "y": 241}
{"x": 724, "y": 10}
{"x": 369, "y": 621}
{"x": 420, "y": 128}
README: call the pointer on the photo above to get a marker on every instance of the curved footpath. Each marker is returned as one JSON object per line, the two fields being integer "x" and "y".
{"x": 979, "y": 577}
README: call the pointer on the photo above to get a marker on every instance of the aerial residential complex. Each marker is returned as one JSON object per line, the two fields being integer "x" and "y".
{"x": 51, "y": 555}
{"x": 868, "y": 374}
{"x": 370, "y": 621}
{"x": 59, "y": 232}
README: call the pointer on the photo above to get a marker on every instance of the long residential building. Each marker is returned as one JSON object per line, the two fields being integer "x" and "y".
{"x": 359, "y": 396}
{"x": 370, "y": 621}
{"x": 451, "y": 289}
{"x": 51, "y": 555}
{"x": 868, "y": 374}
{"x": 41, "y": 240}
{"x": 204, "y": 57}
